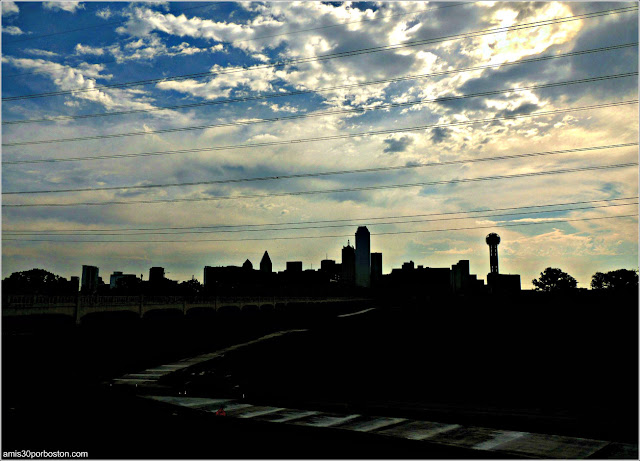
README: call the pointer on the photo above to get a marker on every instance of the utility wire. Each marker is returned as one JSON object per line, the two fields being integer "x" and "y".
{"x": 324, "y": 236}
{"x": 320, "y": 90}
{"x": 324, "y": 113}
{"x": 335, "y": 55}
{"x": 329, "y": 191}
{"x": 351, "y": 220}
{"x": 327, "y": 173}
{"x": 233, "y": 42}
{"x": 323, "y": 138}
{"x": 326, "y": 226}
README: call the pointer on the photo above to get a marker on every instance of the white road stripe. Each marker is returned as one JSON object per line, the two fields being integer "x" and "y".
{"x": 356, "y": 313}
{"x": 504, "y": 437}
{"x": 253, "y": 414}
{"x": 372, "y": 425}
{"x": 326, "y": 420}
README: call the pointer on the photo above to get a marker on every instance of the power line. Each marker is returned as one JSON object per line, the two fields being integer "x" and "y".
{"x": 368, "y": 219}
{"x": 325, "y": 236}
{"x": 335, "y": 55}
{"x": 328, "y": 173}
{"x": 233, "y": 42}
{"x": 320, "y": 90}
{"x": 322, "y": 138}
{"x": 349, "y": 224}
{"x": 323, "y": 113}
{"x": 329, "y": 191}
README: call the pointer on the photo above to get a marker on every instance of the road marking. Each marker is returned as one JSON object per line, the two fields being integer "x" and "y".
{"x": 293, "y": 415}
{"x": 253, "y": 414}
{"x": 504, "y": 437}
{"x": 356, "y": 313}
{"x": 371, "y": 425}
{"x": 324, "y": 420}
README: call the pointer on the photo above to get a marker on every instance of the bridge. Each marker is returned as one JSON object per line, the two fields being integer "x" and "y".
{"x": 77, "y": 307}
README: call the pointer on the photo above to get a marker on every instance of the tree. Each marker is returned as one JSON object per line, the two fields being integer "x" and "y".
{"x": 554, "y": 280}
{"x": 621, "y": 279}
{"x": 190, "y": 287}
{"x": 35, "y": 281}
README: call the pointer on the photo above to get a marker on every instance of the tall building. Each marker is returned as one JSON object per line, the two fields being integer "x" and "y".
{"x": 89, "y": 279}
{"x": 348, "y": 264}
{"x": 74, "y": 284}
{"x": 294, "y": 266}
{"x": 265, "y": 263}
{"x": 363, "y": 257}
{"x": 376, "y": 268}
{"x": 118, "y": 279}
{"x": 156, "y": 275}
{"x": 493, "y": 240}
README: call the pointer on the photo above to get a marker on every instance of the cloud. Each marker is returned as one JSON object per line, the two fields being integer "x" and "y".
{"x": 82, "y": 76}
{"x": 86, "y": 49}
{"x": 38, "y": 52}
{"x": 68, "y": 6}
{"x": 12, "y": 30}
{"x": 393, "y": 145}
{"x": 439, "y": 134}
{"x": 9, "y": 8}
{"x": 104, "y": 13}
{"x": 283, "y": 108}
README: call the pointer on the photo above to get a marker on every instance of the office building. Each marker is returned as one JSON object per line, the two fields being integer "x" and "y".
{"x": 265, "y": 263}
{"x": 363, "y": 257}
{"x": 89, "y": 279}
{"x": 376, "y": 268}
{"x": 156, "y": 275}
{"x": 348, "y": 264}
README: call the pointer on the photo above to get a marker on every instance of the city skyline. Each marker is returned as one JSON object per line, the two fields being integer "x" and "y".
{"x": 123, "y": 42}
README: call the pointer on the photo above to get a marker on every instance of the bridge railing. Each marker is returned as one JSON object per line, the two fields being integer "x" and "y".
{"x": 97, "y": 301}
{"x": 17, "y": 301}
{"x": 150, "y": 300}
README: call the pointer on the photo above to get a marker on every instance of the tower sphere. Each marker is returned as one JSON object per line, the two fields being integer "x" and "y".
{"x": 493, "y": 239}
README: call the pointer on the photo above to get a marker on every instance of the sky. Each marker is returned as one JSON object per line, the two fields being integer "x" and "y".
{"x": 375, "y": 76}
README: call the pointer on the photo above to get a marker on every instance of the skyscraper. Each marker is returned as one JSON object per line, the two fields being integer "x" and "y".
{"x": 376, "y": 268}
{"x": 348, "y": 264}
{"x": 265, "y": 263}
{"x": 363, "y": 257}
{"x": 89, "y": 279}
{"x": 156, "y": 275}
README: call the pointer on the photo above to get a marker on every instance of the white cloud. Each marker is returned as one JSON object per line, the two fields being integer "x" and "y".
{"x": 9, "y": 7}
{"x": 86, "y": 49}
{"x": 69, "y": 6}
{"x": 38, "y": 52}
{"x": 104, "y": 13}
{"x": 12, "y": 30}
{"x": 82, "y": 77}
{"x": 283, "y": 108}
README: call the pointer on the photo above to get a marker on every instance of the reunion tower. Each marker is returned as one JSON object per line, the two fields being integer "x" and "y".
{"x": 493, "y": 240}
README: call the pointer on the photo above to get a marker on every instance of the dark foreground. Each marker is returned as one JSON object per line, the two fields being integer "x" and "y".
{"x": 562, "y": 366}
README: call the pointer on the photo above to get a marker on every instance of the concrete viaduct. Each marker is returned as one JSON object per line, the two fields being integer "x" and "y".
{"x": 78, "y": 307}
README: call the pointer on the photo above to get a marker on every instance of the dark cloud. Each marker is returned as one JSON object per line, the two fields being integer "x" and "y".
{"x": 397, "y": 145}
{"x": 439, "y": 134}
{"x": 522, "y": 109}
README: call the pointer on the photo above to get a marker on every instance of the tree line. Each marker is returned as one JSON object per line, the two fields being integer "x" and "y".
{"x": 554, "y": 280}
